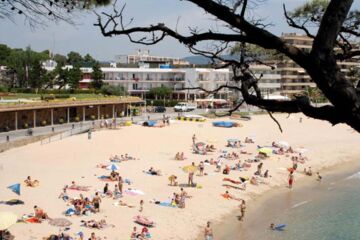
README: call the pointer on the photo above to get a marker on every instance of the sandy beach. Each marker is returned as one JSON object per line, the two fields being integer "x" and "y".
{"x": 74, "y": 159}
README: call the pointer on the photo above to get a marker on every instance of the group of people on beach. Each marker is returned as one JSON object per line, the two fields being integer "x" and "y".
{"x": 86, "y": 205}
{"x": 117, "y": 158}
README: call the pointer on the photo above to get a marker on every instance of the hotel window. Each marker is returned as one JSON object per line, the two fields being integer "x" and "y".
{"x": 135, "y": 86}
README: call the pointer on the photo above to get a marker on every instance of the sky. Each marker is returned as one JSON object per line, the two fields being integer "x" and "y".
{"x": 86, "y": 38}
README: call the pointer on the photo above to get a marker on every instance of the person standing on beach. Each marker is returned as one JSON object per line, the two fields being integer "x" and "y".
{"x": 208, "y": 232}
{"x": 242, "y": 210}
{"x": 201, "y": 168}
{"x": 96, "y": 202}
{"x": 141, "y": 205}
{"x": 194, "y": 139}
{"x": 291, "y": 179}
{"x": 89, "y": 134}
{"x": 191, "y": 176}
{"x": 120, "y": 184}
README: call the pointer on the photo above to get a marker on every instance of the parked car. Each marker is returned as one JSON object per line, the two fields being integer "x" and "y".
{"x": 184, "y": 107}
{"x": 160, "y": 109}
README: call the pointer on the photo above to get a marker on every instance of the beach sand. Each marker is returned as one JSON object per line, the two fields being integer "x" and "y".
{"x": 75, "y": 159}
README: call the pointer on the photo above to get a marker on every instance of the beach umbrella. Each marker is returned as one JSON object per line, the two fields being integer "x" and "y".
{"x": 190, "y": 169}
{"x": 15, "y": 188}
{"x": 112, "y": 167}
{"x": 265, "y": 150}
{"x": 60, "y": 222}
{"x": 7, "y": 219}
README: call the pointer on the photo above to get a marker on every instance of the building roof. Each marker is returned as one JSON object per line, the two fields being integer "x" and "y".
{"x": 64, "y": 104}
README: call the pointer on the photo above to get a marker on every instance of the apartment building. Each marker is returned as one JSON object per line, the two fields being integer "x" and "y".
{"x": 294, "y": 79}
{"x": 139, "y": 81}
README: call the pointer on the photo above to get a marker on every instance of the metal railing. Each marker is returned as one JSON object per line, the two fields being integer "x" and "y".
{"x": 65, "y": 134}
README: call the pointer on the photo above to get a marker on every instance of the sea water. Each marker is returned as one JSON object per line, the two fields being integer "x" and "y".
{"x": 327, "y": 210}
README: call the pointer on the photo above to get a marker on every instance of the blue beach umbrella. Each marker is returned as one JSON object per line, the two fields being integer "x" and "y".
{"x": 15, "y": 188}
{"x": 113, "y": 167}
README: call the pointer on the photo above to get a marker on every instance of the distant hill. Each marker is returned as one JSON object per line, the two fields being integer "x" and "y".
{"x": 201, "y": 60}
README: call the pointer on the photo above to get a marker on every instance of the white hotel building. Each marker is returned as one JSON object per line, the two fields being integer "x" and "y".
{"x": 138, "y": 81}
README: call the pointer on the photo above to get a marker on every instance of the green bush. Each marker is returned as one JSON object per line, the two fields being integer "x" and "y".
{"x": 113, "y": 90}
{"x": 3, "y": 88}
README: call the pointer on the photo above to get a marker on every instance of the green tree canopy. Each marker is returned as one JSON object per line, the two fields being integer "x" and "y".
{"x": 74, "y": 77}
{"x": 88, "y": 61}
{"x": 74, "y": 58}
{"x": 97, "y": 76}
{"x": 161, "y": 92}
{"x": 4, "y": 54}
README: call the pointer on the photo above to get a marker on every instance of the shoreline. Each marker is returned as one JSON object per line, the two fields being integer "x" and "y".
{"x": 330, "y": 174}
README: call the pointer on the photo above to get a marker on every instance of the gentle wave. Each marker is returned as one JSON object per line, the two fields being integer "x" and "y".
{"x": 354, "y": 176}
{"x": 300, "y": 204}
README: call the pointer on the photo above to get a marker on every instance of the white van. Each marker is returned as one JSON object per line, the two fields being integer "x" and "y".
{"x": 184, "y": 107}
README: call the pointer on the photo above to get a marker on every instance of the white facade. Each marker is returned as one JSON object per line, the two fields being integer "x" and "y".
{"x": 140, "y": 80}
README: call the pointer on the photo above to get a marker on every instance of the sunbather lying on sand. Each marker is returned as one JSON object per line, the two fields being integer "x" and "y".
{"x": 229, "y": 196}
{"x": 152, "y": 171}
{"x": 76, "y": 187}
{"x": 248, "y": 140}
{"x": 101, "y": 165}
{"x": 31, "y": 183}
{"x": 95, "y": 224}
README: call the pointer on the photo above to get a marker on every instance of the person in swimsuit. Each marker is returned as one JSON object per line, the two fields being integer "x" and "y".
{"x": 242, "y": 210}
{"x": 291, "y": 180}
{"x": 208, "y": 232}
{"x": 96, "y": 202}
{"x": 201, "y": 168}
{"x": 120, "y": 184}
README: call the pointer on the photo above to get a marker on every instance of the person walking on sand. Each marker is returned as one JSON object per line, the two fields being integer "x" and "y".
{"x": 291, "y": 180}
{"x": 208, "y": 233}
{"x": 141, "y": 205}
{"x": 194, "y": 139}
{"x": 242, "y": 210}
